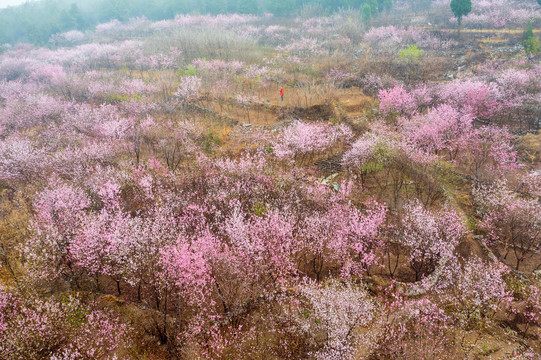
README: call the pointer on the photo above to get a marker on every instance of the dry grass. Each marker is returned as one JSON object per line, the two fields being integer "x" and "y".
{"x": 529, "y": 148}
{"x": 492, "y": 41}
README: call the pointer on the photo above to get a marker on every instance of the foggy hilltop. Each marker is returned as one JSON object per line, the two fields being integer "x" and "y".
{"x": 6, "y": 3}
{"x": 36, "y": 21}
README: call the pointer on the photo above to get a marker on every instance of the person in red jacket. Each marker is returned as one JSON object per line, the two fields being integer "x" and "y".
{"x": 282, "y": 93}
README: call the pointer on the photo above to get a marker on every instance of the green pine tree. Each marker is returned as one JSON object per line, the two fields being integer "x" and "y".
{"x": 460, "y": 9}
{"x": 366, "y": 13}
{"x": 530, "y": 43}
{"x": 247, "y": 7}
{"x": 77, "y": 16}
{"x": 216, "y": 6}
{"x": 280, "y": 7}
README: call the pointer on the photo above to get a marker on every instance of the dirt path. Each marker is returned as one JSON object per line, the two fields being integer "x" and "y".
{"x": 351, "y": 103}
{"x": 483, "y": 31}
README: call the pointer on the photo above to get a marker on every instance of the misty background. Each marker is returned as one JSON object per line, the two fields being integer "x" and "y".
{"x": 35, "y": 21}
{"x": 6, "y": 3}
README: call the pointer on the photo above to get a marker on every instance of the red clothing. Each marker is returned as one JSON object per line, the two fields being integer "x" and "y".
{"x": 282, "y": 91}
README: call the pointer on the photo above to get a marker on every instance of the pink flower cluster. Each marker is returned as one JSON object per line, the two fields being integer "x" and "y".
{"x": 188, "y": 89}
{"x": 396, "y": 100}
{"x": 31, "y": 328}
{"x": 393, "y": 37}
{"x": 302, "y": 138}
{"x": 497, "y": 13}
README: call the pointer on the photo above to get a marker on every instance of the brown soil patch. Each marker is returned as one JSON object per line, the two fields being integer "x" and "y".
{"x": 529, "y": 148}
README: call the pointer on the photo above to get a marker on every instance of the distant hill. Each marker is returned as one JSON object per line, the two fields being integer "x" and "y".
{"x": 36, "y": 21}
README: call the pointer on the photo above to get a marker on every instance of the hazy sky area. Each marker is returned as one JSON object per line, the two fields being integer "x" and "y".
{"x": 6, "y": 3}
